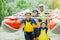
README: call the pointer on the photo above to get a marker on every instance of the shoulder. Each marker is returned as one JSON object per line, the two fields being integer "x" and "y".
{"x": 46, "y": 11}
{"x": 33, "y": 21}
{"x": 46, "y": 28}
{"x": 40, "y": 28}
{"x": 23, "y": 20}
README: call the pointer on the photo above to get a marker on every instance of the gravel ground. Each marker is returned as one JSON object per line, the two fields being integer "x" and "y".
{"x": 19, "y": 35}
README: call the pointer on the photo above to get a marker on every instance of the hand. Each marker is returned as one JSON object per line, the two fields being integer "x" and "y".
{"x": 36, "y": 19}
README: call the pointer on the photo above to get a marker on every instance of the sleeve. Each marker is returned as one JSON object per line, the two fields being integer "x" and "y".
{"x": 46, "y": 11}
{"x": 23, "y": 20}
{"x": 33, "y": 21}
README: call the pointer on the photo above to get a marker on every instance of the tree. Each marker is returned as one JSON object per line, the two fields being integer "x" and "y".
{"x": 41, "y": 1}
{"x": 3, "y": 10}
{"x": 7, "y": 9}
{"x": 52, "y": 4}
{"x": 22, "y": 4}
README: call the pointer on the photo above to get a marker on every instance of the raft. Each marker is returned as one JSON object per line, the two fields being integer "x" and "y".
{"x": 11, "y": 24}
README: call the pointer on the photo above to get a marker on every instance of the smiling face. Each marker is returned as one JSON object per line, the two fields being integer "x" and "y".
{"x": 43, "y": 24}
{"x": 28, "y": 16}
{"x": 41, "y": 8}
{"x": 35, "y": 13}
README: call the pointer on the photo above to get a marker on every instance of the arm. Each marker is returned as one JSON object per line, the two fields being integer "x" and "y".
{"x": 36, "y": 22}
{"x": 23, "y": 21}
{"x": 46, "y": 29}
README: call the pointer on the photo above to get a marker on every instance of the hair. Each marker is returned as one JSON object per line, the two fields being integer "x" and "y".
{"x": 28, "y": 13}
{"x": 44, "y": 23}
{"x": 35, "y": 10}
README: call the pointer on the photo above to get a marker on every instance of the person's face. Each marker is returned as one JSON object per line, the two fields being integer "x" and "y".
{"x": 28, "y": 16}
{"x": 41, "y": 8}
{"x": 43, "y": 25}
{"x": 35, "y": 13}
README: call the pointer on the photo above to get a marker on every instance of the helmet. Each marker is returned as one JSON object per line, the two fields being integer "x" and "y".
{"x": 41, "y": 5}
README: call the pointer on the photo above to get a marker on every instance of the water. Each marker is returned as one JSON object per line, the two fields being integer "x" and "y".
{"x": 19, "y": 35}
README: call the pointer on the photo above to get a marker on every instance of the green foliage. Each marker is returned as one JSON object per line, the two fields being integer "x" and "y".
{"x": 52, "y": 4}
{"x": 41, "y": 1}
{"x": 22, "y": 4}
{"x": 3, "y": 10}
{"x": 6, "y": 10}
{"x": 11, "y": 10}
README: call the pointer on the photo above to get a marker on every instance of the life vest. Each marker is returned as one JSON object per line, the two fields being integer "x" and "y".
{"x": 40, "y": 20}
{"x": 43, "y": 15}
{"x": 28, "y": 26}
{"x": 35, "y": 25}
{"x": 43, "y": 35}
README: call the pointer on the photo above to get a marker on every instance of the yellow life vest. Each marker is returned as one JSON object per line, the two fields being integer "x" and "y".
{"x": 43, "y": 15}
{"x": 43, "y": 35}
{"x": 28, "y": 27}
{"x": 35, "y": 25}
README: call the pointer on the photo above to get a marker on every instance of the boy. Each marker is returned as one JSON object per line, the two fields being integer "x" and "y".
{"x": 28, "y": 26}
{"x": 43, "y": 32}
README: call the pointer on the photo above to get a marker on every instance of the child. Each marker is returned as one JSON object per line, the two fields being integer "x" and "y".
{"x": 28, "y": 27}
{"x": 43, "y": 32}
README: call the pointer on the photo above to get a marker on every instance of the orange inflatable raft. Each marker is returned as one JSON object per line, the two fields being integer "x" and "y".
{"x": 11, "y": 24}
{"x": 54, "y": 27}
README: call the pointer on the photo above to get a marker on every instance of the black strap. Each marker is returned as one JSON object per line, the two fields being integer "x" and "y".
{"x": 30, "y": 20}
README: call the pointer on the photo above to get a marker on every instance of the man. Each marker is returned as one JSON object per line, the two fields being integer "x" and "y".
{"x": 42, "y": 8}
{"x": 28, "y": 26}
{"x": 43, "y": 12}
